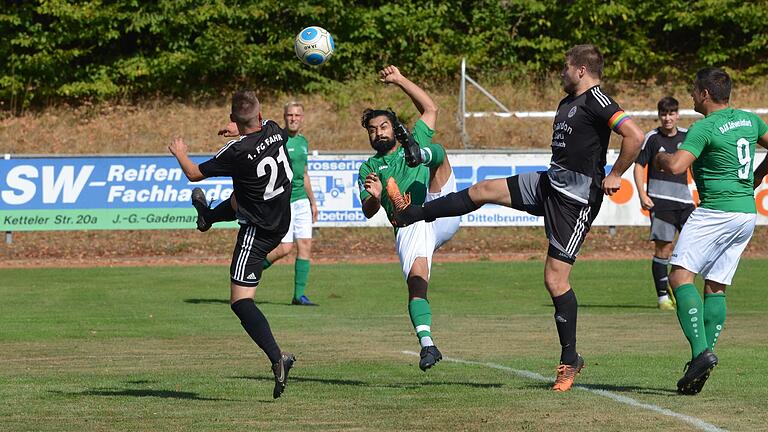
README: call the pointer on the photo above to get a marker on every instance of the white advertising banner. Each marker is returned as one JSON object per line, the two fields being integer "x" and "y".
{"x": 334, "y": 181}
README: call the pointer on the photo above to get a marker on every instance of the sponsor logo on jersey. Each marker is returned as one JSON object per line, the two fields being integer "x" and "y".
{"x": 572, "y": 112}
{"x": 735, "y": 124}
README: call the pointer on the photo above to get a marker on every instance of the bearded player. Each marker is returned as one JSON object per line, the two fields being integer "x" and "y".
{"x": 421, "y": 169}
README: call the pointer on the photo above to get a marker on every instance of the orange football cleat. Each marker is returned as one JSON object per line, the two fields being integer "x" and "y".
{"x": 566, "y": 374}
{"x": 399, "y": 201}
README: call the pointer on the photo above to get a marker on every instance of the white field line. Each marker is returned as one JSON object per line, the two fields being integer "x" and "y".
{"x": 695, "y": 422}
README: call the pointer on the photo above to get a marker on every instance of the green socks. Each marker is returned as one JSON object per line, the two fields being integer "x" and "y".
{"x": 690, "y": 313}
{"x": 421, "y": 318}
{"x": 432, "y": 155}
{"x": 714, "y": 317}
{"x": 301, "y": 275}
{"x": 266, "y": 264}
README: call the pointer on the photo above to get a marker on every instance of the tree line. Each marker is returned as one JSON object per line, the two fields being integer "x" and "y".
{"x": 56, "y": 51}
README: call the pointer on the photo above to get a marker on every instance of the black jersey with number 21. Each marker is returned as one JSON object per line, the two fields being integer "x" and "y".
{"x": 261, "y": 175}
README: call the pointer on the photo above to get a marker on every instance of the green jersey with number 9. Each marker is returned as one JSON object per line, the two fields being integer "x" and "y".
{"x": 724, "y": 146}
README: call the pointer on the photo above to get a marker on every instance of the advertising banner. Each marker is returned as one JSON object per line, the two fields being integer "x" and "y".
{"x": 151, "y": 192}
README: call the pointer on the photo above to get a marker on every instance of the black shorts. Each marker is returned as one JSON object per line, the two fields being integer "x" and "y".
{"x": 666, "y": 223}
{"x": 253, "y": 245}
{"x": 566, "y": 221}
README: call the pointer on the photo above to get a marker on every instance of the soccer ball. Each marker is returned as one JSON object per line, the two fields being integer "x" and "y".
{"x": 313, "y": 45}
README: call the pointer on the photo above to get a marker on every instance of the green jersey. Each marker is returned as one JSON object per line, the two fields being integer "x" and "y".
{"x": 724, "y": 146}
{"x": 298, "y": 149}
{"x": 410, "y": 180}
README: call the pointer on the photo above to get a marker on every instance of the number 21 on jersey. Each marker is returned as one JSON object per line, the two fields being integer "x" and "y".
{"x": 261, "y": 170}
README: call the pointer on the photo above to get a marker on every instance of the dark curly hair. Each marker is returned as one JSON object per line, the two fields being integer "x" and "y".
{"x": 369, "y": 113}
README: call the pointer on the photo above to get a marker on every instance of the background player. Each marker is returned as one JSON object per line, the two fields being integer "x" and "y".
{"x": 666, "y": 196}
{"x": 420, "y": 168}
{"x": 261, "y": 177}
{"x": 721, "y": 150}
{"x": 303, "y": 205}
{"x": 568, "y": 195}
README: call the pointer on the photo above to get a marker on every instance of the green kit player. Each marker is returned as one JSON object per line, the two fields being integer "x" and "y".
{"x": 721, "y": 150}
{"x": 303, "y": 205}
{"x": 421, "y": 169}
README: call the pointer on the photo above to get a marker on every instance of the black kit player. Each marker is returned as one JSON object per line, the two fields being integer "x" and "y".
{"x": 666, "y": 195}
{"x": 568, "y": 195}
{"x": 261, "y": 177}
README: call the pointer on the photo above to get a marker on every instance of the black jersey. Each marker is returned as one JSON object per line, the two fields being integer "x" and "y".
{"x": 261, "y": 175}
{"x": 668, "y": 191}
{"x": 581, "y": 132}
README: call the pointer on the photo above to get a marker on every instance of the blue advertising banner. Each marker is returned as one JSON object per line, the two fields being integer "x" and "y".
{"x": 151, "y": 192}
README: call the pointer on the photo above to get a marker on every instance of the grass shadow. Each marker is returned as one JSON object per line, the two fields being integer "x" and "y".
{"x": 612, "y": 388}
{"x": 206, "y": 301}
{"x": 617, "y": 306}
{"x": 358, "y": 383}
{"x": 162, "y": 394}
{"x": 226, "y": 301}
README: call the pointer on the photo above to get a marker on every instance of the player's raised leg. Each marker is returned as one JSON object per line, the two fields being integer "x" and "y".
{"x": 206, "y": 216}
{"x": 458, "y": 203}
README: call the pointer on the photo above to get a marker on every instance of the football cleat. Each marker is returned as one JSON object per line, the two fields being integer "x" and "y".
{"x": 696, "y": 373}
{"x": 667, "y": 305}
{"x": 399, "y": 201}
{"x": 429, "y": 357}
{"x": 411, "y": 149}
{"x": 202, "y": 207}
{"x": 566, "y": 374}
{"x": 281, "y": 369}
{"x": 303, "y": 301}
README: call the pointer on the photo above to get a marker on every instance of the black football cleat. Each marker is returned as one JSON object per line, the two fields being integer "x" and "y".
{"x": 430, "y": 355}
{"x": 697, "y": 372}
{"x": 201, "y": 205}
{"x": 280, "y": 369}
{"x": 411, "y": 149}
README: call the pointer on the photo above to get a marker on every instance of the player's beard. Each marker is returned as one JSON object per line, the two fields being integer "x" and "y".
{"x": 383, "y": 145}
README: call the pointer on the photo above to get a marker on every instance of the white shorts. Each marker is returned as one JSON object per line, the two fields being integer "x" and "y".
{"x": 422, "y": 239}
{"x": 301, "y": 221}
{"x": 711, "y": 243}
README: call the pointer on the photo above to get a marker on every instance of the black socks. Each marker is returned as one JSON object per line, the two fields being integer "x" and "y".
{"x": 453, "y": 204}
{"x": 255, "y": 324}
{"x": 223, "y": 212}
{"x": 566, "y": 309}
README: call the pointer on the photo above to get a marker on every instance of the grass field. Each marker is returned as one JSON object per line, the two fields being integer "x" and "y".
{"x": 158, "y": 349}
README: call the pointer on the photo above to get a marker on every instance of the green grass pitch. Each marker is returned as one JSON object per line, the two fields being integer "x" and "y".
{"x": 157, "y": 348}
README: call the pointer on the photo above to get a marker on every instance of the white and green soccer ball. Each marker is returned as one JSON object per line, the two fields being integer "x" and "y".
{"x": 313, "y": 45}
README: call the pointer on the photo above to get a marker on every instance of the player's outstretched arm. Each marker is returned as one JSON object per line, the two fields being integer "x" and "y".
{"x": 179, "y": 149}
{"x": 630, "y": 147}
{"x": 230, "y": 130}
{"x": 676, "y": 163}
{"x": 426, "y": 106}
